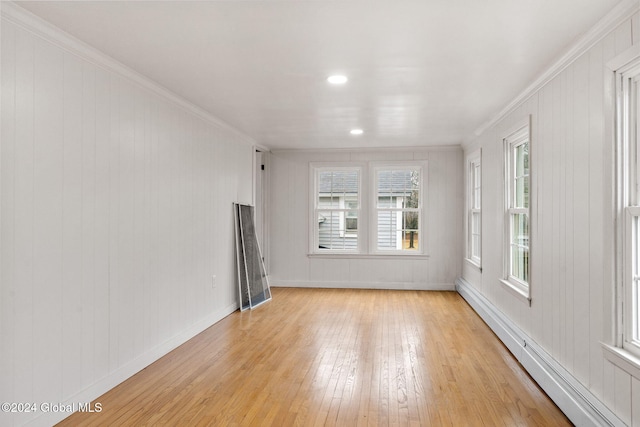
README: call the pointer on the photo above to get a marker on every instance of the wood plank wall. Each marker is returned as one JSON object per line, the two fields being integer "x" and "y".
{"x": 289, "y": 262}
{"x": 572, "y": 223}
{"x": 116, "y": 212}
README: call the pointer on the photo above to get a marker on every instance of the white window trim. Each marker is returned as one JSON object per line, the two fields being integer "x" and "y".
{"x": 314, "y": 170}
{"x": 475, "y": 158}
{"x": 373, "y": 206}
{"x": 516, "y": 136}
{"x": 627, "y": 339}
{"x": 367, "y": 223}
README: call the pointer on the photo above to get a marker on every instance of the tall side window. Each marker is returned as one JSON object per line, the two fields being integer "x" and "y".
{"x": 628, "y": 118}
{"x": 398, "y": 209}
{"x": 337, "y": 209}
{"x": 517, "y": 210}
{"x": 474, "y": 209}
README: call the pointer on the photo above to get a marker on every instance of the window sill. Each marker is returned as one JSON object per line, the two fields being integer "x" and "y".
{"x": 367, "y": 256}
{"x": 623, "y": 359}
{"x": 515, "y": 290}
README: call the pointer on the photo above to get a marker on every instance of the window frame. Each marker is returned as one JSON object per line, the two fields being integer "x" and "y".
{"x": 474, "y": 207}
{"x": 367, "y": 213}
{"x": 518, "y": 136}
{"x": 627, "y": 123}
{"x": 375, "y": 168}
{"x": 314, "y": 237}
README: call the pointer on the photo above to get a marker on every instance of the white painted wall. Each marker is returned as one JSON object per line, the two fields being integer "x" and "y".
{"x": 289, "y": 200}
{"x": 571, "y": 223}
{"x": 116, "y": 210}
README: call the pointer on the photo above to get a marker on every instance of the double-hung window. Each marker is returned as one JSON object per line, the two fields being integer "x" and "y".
{"x": 628, "y": 183}
{"x": 398, "y": 208}
{"x": 337, "y": 209}
{"x": 517, "y": 210}
{"x": 474, "y": 209}
{"x": 367, "y": 209}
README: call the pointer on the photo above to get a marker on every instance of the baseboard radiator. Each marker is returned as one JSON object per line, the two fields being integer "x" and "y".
{"x": 575, "y": 400}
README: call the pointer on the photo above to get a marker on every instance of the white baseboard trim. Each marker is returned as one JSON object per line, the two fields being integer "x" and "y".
{"x": 411, "y": 286}
{"x": 131, "y": 368}
{"x": 574, "y": 399}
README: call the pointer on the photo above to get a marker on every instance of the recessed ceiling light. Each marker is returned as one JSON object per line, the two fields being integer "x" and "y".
{"x": 356, "y": 132}
{"x": 337, "y": 80}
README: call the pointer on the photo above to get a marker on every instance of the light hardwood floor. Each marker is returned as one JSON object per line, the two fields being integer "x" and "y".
{"x": 315, "y": 357}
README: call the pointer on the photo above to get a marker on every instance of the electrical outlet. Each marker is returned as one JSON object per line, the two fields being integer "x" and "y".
{"x": 214, "y": 282}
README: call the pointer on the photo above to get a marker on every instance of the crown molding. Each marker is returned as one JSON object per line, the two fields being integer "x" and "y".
{"x": 608, "y": 23}
{"x": 13, "y": 13}
{"x": 359, "y": 150}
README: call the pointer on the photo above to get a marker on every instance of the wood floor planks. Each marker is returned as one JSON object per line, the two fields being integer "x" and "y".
{"x": 335, "y": 357}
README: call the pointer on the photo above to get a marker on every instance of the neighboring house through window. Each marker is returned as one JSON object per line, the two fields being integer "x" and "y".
{"x": 337, "y": 208}
{"x": 398, "y": 208}
{"x": 394, "y": 208}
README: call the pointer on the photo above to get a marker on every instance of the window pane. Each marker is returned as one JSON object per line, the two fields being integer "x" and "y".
{"x": 522, "y": 159}
{"x": 522, "y": 192}
{"x": 334, "y": 230}
{"x": 476, "y": 222}
{"x": 410, "y": 221}
{"x": 520, "y": 229}
{"x": 474, "y": 211}
{"x": 329, "y": 224}
{"x": 336, "y": 191}
{"x": 413, "y": 192}
{"x": 410, "y": 240}
{"x": 336, "y": 184}
{"x": 328, "y": 201}
{"x": 387, "y": 202}
{"x": 401, "y": 185}
{"x": 520, "y": 246}
{"x": 475, "y": 234}
{"x": 398, "y": 230}
{"x": 475, "y": 186}
{"x": 384, "y": 188}
{"x": 521, "y": 176}
{"x": 410, "y": 230}
{"x": 475, "y": 246}
{"x": 387, "y": 230}
{"x": 351, "y": 222}
{"x": 398, "y": 193}
{"x": 520, "y": 263}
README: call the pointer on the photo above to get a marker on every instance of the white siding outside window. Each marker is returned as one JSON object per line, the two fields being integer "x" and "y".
{"x": 336, "y": 209}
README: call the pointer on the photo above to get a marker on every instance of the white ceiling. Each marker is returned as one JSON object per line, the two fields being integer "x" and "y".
{"x": 421, "y": 72}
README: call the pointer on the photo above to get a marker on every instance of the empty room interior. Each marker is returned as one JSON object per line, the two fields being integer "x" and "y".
{"x": 446, "y": 196}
